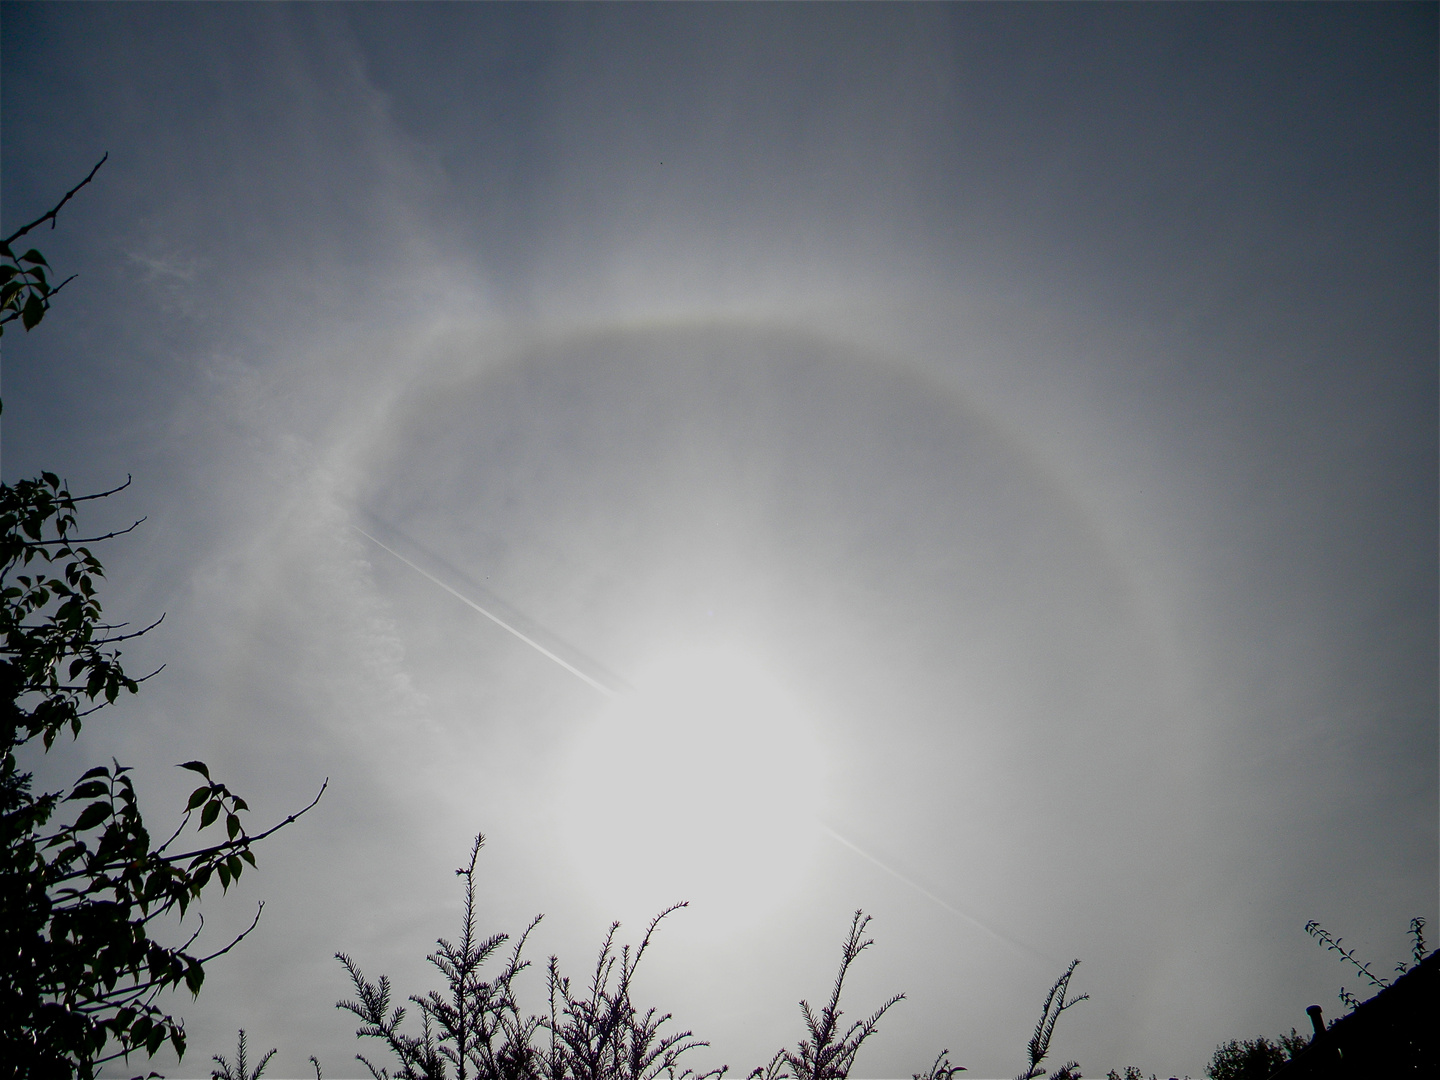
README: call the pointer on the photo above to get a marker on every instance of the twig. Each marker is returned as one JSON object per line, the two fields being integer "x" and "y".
{"x": 50, "y": 214}
{"x": 87, "y": 539}
{"x": 244, "y": 840}
{"x": 1320, "y": 934}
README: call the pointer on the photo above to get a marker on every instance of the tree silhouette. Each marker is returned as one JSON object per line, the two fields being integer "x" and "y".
{"x": 1253, "y": 1059}
{"x": 82, "y": 889}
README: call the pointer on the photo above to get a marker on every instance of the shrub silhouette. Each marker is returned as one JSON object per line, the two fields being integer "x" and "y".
{"x": 941, "y": 1069}
{"x": 240, "y": 1069}
{"x": 476, "y": 1028}
{"x": 825, "y": 1053}
{"x": 1038, "y": 1048}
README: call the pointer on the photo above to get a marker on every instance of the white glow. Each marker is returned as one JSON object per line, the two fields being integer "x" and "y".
{"x": 702, "y": 785}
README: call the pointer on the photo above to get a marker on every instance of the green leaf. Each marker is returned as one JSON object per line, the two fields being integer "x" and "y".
{"x": 198, "y": 796}
{"x": 33, "y": 256}
{"x": 89, "y": 790}
{"x": 209, "y": 814}
{"x": 92, "y": 815}
{"x": 197, "y": 766}
{"x": 33, "y": 311}
{"x": 232, "y": 825}
{"x": 248, "y": 856}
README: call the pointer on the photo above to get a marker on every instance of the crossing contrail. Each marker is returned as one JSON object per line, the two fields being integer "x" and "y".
{"x": 613, "y": 692}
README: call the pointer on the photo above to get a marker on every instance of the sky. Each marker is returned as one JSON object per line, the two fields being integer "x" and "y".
{"x": 975, "y": 464}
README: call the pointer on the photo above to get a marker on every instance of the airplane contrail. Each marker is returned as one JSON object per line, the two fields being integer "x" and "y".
{"x": 611, "y": 692}
{"x": 496, "y": 619}
{"x": 971, "y": 919}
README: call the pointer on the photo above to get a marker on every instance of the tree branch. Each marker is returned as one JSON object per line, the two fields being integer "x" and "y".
{"x": 243, "y": 841}
{"x": 102, "y": 494}
{"x": 88, "y": 539}
{"x": 50, "y": 215}
{"x": 127, "y": 637}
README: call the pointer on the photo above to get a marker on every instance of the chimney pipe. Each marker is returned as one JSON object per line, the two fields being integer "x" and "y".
{"x": 1317, "y": 1021}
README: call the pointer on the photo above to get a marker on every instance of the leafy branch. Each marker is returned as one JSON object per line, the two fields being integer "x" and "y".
{"x": 1320, "y": 934}
{"x": 1417, "y": 945}
{"x": 25, "y": 293}
{"x": 80, "y": 973}
{"x": 1334, "y": 944}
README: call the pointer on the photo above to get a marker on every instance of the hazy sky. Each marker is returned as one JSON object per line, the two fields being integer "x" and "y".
{"x": 984, "y": 455}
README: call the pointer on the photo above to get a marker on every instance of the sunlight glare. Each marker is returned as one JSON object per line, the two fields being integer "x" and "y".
{"x": 702, "y": 785}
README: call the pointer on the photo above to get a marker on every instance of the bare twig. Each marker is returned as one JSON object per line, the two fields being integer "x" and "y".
{"x": 127, "y": 637}
{"x": 102, "y": 494}
{"x": 72, "y": 540}
{"x": 49, "y": 215}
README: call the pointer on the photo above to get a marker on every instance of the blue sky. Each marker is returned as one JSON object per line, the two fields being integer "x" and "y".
{"x": 1020, "y": 418}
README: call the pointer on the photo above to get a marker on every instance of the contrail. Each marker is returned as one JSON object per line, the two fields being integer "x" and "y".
{"x": 496, "y": 619}
{"x": 611, "y": 692}
{"x": 897, "y": 875}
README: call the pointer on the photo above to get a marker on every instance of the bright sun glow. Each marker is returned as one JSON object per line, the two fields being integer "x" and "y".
{"x": 703, "y": 785}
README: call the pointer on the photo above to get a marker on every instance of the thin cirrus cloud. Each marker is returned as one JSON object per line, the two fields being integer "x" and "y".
{"x": 1039, "y": 402}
